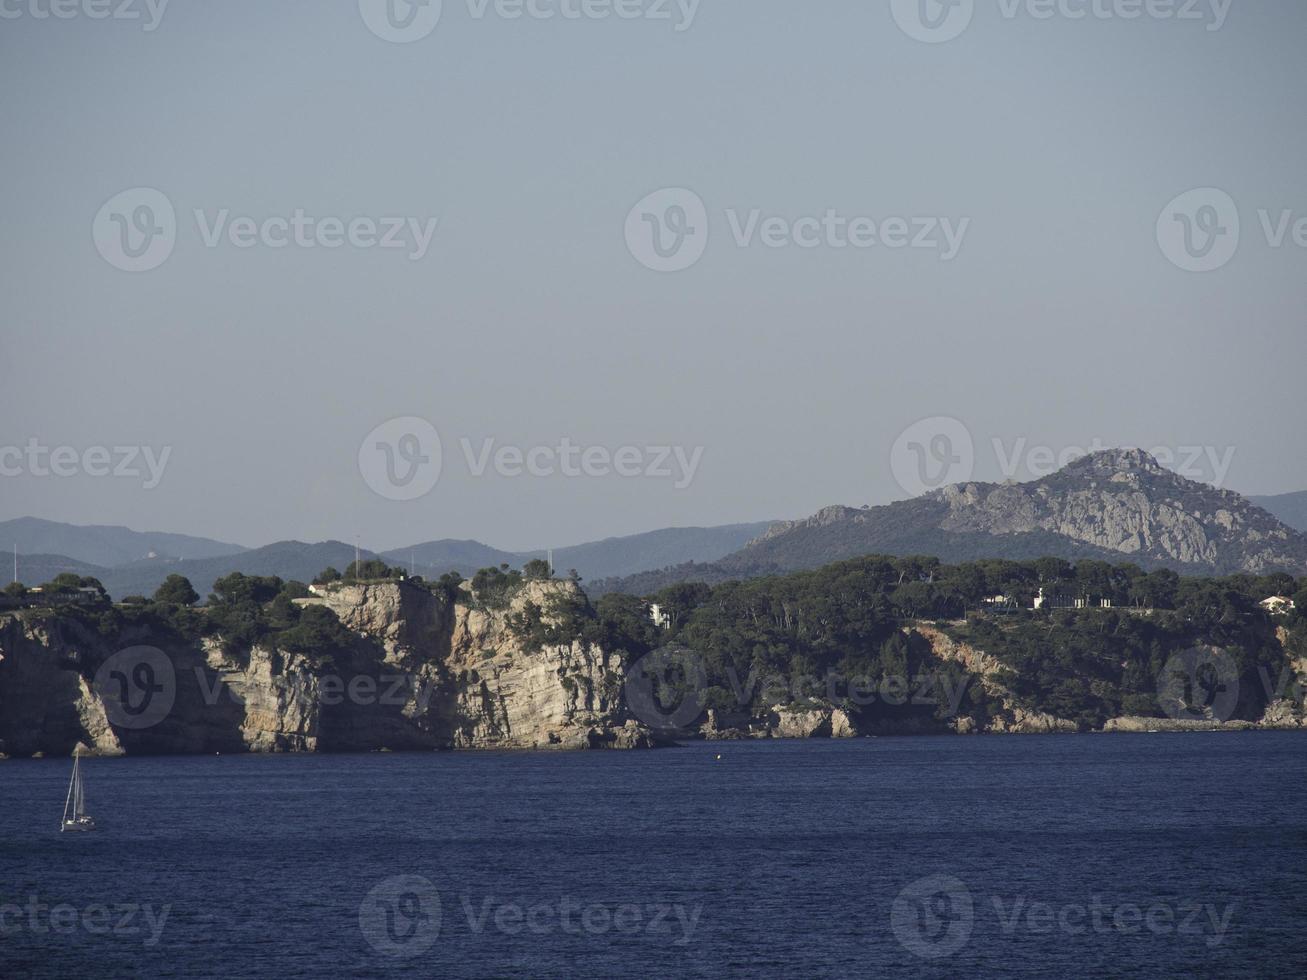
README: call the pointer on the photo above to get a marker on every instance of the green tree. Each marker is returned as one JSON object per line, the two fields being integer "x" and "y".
{"x": 449, "y": 584}
{"x": 537, "y": 569}
{"x": 64, "y": 582}
{"x": 371, "y": 570}
{"x": 176, "y": 590}
{"x": 239, "y": 588}
{"x": 295, "y": 590}
{"x": 328, "y": 574}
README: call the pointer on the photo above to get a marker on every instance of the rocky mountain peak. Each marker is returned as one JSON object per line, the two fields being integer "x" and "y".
{"x": 1108, "y": 462}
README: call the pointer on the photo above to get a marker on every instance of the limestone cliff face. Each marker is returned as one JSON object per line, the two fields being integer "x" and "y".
{"x": 985, "y": 669}
{"x": 1125, "y": 501}
{"x": 1285, "y": 709}
{"x": 423, "y": 673}
{"x": 997, "y": 710}
{"x": 46, "y": 705}
{"x": 558, "y": 695}
{"x": 490, "y": 691}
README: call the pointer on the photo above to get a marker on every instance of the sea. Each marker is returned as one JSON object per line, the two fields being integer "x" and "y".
{"x": 1150, "y": 855}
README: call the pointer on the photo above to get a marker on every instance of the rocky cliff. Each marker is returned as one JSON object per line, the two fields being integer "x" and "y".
{"x": 1124, "y": 501}
{"x": 1116, "y": 505}
{"x": 419, "y": 671}
{"x": 422, "y": 673}
{"x": 974, "y": 698}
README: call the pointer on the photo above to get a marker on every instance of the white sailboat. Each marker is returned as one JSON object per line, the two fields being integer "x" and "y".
{"x": 75, "y": 816}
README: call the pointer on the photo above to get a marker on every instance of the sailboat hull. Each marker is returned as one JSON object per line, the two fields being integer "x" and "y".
{"x": 80, "y": 824}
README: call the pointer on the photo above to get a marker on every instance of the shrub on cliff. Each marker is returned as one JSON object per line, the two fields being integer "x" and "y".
{"x": 537, "y": 570}
{"x": 494, "y": 587}
{"x": 371, "y": 570}
{"x": 450, "y": 584}
{"x": 318, "y": 634}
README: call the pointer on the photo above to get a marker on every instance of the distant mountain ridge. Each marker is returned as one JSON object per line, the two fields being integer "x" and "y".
{"x": 1291, "y": 508}
{"x": 1112, "y": 506}
{"x": 596, "y": 559}
{"x": 139, "y": 575}
{"x": 103, "y": 544}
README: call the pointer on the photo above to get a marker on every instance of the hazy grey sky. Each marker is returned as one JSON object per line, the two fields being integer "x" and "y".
{"x": 1049, "y": 147}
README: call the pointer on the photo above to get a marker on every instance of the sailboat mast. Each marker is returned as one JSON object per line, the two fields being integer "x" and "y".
{"x": 72, "y": 784}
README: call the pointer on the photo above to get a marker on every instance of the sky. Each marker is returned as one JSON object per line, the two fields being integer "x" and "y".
{"x": 323, "y": 270}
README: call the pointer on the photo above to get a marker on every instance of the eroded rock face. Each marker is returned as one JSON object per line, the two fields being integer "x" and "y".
{"x": 1123, "y": 500}
{"x": 818, "y": 722}
{"x": 1013, "y": 719}
{"x": 279, "y": 697}
{"x": 46, "y": 705}
{"x": 510, "y": 697}
{"x": 1114, "y": 505}
{"x": 801, "y": 723}
{"x": 424, "y": 673}
{"x": 1136, "y": 724}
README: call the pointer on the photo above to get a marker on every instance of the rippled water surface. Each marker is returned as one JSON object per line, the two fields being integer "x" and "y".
{"x": 1161, "y": 855}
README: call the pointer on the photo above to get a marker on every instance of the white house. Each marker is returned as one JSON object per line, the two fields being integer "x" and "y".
{"x": 660, "y": 618}
{"x": 1043, "y": 601}
{"x": 1277, "y": 605}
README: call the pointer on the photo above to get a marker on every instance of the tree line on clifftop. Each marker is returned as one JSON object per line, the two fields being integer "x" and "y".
{"x": 846, "y": 619}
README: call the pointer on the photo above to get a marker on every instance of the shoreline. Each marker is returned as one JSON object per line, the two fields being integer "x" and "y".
{"x": 1196, "y": 728}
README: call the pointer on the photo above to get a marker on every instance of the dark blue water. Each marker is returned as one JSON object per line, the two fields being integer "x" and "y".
{"x": 1148, "y": 855}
